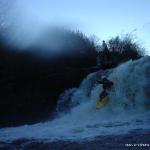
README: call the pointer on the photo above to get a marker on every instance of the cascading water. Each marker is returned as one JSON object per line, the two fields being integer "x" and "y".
{"x": 127, "y": 110}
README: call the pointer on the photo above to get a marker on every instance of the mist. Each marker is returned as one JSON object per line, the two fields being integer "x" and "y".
{"x": 23, "y": 22}
{"x": 29, "y": 25}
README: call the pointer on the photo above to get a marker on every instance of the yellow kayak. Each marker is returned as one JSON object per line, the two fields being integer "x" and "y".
{"x": 101, "y": 103}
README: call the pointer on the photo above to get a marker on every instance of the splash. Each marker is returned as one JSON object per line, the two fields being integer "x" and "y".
{"x": 127, "y": 109}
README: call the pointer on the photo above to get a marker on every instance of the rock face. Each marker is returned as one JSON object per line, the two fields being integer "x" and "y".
{"x": 136, "y": 140}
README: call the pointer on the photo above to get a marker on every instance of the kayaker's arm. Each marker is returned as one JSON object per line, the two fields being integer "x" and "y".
{"x": 105, "y": 82}
{"x": 100, "y": 81}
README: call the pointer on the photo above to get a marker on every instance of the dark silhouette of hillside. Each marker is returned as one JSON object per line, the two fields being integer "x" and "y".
{"x": 30, "y": 84}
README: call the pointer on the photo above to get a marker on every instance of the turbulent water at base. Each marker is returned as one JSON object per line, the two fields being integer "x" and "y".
{"x": 127, "y": 110}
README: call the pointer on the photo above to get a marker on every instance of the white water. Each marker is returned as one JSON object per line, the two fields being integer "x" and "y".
{"x": 126, "y": 110}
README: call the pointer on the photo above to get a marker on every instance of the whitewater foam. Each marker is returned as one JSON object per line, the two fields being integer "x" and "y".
{"x": 126, "y": 110}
